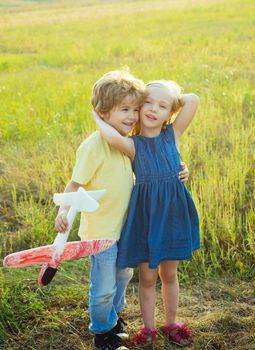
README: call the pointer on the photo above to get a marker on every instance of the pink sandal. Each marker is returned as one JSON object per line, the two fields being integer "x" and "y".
{"x": 144, "y": 337}
{"x": 178, "y": 333}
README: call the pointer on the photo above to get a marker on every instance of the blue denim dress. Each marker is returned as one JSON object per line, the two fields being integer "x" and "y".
{"x": 162, "y": 221}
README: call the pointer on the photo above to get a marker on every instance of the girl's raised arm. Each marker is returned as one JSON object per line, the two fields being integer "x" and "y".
{"x": 187, "y": 113}
{"x": 114, "y": 138}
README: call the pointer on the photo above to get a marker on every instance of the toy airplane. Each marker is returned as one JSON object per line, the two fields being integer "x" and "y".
{"x": 52, "y": 255}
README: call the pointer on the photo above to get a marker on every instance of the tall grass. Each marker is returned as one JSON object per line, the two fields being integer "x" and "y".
{"x": 50, "y": 56}
{"x": 51, "y": 52}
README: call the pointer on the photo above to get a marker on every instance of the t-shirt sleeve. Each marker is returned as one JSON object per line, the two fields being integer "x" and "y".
{"x": 88, "y": 160}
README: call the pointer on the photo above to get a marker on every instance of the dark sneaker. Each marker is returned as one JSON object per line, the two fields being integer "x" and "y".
{"x": 108, "y": 341}
{"x": 119, "y": 329}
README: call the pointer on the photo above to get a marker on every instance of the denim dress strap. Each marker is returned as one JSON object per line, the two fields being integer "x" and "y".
{"x": 170, "y": 135}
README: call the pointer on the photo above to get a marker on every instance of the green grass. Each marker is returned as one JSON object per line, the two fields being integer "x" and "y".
{"x": 220, "y": 311}
{"x": 51, "y": 52}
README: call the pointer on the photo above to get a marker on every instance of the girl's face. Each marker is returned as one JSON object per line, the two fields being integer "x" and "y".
{"x": 156, "y": 109}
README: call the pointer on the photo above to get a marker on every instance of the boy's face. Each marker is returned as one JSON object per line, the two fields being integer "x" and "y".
{"x": 124, "y": 116}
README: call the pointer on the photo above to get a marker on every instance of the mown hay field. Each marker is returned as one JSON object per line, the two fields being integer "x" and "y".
{"x": 51, "y": 53}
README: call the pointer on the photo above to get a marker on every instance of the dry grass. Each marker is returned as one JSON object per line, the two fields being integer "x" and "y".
{"x": 221, "y": 312}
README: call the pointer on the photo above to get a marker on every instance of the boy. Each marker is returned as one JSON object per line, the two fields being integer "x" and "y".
{"x": 116, "y": 97}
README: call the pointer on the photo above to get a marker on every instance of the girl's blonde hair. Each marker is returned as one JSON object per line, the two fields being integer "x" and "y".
{"x": 112, "y": 88}
{"x": 175, "y": 93}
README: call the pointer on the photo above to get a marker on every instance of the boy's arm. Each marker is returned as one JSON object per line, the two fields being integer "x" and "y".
{"x": 187, "y": 113}
{"x": 61, "y": 223}
{"x": 114, "y": 138}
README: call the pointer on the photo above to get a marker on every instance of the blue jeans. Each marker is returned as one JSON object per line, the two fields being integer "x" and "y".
{"x": 107, "y": 290}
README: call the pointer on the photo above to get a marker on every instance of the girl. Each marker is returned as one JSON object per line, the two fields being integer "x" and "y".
{"x": 162, "y": 225}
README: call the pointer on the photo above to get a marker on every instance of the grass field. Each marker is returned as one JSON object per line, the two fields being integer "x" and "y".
{"x": 51, "y": 52}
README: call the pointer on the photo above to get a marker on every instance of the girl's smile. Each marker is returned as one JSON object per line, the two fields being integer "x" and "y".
{"x": 150, "y": 117}
{"x": 155, "y": 111}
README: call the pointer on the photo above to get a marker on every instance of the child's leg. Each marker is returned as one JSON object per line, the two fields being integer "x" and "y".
{"x": 103, "y": 316}
{"x": 177, "y": 333}
{"x": 123, "y": 276}
{"x": 147, "y": 294}
{"x": 170, "y": 289}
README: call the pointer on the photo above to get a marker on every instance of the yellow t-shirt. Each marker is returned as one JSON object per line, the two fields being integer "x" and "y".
{"x": 100, "y": 166}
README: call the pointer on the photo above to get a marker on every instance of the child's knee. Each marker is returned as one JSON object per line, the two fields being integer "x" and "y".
{"x": 125, "y": 274}
{"x": 147, "y": 281}
{"x": 169, "y": 276}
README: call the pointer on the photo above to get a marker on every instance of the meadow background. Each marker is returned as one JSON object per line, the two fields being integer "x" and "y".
{"x": 51, "y": 53}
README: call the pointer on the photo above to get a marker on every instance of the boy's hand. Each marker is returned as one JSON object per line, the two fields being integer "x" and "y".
{"x": 61, "y": 223}
{"x": 184, "y": 173}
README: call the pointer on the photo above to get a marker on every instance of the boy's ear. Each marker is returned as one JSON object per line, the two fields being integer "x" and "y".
{"x": 101, "y": 115}
{"x": 104, "y": 116}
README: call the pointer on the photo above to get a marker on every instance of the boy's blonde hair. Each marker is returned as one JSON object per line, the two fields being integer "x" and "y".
{"x": 110, "y": 90}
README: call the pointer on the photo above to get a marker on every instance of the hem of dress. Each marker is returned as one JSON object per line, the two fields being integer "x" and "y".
{"x": 154, "y": 266}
